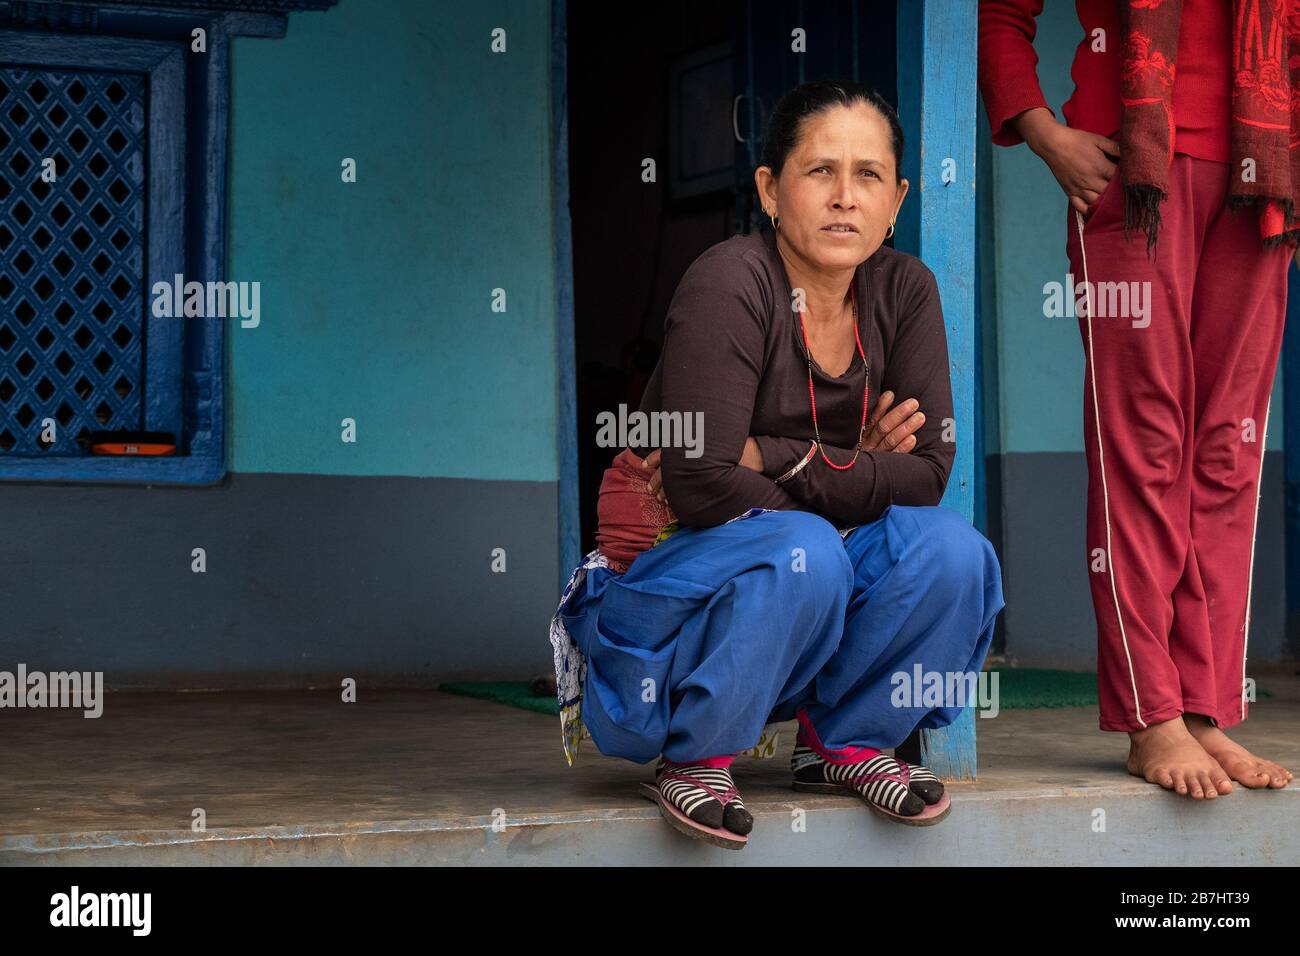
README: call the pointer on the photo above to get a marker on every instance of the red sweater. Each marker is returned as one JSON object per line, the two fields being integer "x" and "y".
{"x": 1202, "y": 79}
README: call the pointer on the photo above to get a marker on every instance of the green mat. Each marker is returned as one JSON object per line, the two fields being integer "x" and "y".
{"x": 512, "y": 692}
{"x": 1018, "y": 689}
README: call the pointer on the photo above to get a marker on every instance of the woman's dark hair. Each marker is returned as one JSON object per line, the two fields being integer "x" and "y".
{"x": 809, "y": 99}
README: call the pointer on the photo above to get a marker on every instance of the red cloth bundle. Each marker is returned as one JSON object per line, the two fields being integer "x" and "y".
{"x": 629, "y": 518}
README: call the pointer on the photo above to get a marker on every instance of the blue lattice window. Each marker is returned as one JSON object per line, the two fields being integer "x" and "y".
{"x": 80, "y": 351}
{"x": 134, "y": 119}
{"x": 71, "y": 258}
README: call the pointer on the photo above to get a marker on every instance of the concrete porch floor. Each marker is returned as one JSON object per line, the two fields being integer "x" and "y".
{"x": 415, "y": 777}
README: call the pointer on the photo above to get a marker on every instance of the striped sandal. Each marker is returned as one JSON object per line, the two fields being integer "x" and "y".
{"x": 701, "y": 802}
{"x": 923, "y": 782}
{"x": 894, "y": 789}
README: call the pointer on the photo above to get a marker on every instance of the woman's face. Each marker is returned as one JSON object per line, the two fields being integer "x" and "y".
{"x": 842, "y": 171}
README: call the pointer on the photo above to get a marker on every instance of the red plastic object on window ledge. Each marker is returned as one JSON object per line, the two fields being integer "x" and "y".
{"x": 126, "y": 443}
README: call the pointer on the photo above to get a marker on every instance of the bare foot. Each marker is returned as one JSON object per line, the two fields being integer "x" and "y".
{"x": 1169, "y": 755}
{"x": 1239, "y": 763}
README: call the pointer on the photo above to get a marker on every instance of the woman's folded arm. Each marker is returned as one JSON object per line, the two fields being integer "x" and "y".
{"x": 712, "y": 362}
{"x": 916, "y": 367}
{"x": 859, "y": 494}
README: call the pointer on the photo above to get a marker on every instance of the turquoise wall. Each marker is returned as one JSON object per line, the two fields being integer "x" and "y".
{"x": 376, "y": 295}
{"x": 1040, "y": 360}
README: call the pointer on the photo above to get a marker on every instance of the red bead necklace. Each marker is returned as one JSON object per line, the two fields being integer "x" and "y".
{"x": 812, "y": 395}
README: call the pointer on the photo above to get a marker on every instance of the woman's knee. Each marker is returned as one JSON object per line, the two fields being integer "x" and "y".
{"x": 810, "y": 547}
{"x": 952, "y": 548}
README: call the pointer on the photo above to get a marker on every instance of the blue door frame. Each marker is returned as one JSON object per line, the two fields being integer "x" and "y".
{"x": 937, "y": 107}
{"x": 566, "y": 420}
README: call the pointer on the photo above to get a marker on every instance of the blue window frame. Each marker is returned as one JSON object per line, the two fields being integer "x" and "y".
{"x": 135, "y": 123}
{"x": 81, "y": 351}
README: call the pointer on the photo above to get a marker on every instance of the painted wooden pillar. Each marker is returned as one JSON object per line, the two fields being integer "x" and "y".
{"x": 566, "y": 414}
{"x": 937, "y": 43}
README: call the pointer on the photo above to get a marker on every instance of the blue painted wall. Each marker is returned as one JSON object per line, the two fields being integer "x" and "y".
{"x": 376, "y": 560}
{"x": 376, "y": 295}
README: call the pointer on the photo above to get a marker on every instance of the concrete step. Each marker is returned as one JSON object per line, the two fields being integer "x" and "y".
{"x": 419, "y": 777}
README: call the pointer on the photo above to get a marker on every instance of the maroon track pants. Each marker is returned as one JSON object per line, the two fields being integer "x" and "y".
{"x": 1175, "y": 410}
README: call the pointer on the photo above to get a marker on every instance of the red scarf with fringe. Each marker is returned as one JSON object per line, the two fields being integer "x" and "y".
{"x": 1265, "y": 130}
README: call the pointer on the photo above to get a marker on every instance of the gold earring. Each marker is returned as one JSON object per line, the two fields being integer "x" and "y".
{"x": 891, "y": 229}
{"x": 776, "y": 221}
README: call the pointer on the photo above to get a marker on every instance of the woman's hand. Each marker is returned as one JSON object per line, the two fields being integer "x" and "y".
{"x": 893, "y": 429}
{"x": 751, "y": 458}
{"x": 651, "y": 461}
{"x": 1078, "y": 159}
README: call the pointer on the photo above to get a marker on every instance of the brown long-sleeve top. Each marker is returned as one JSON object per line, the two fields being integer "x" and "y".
{"x": 733, "y": 351}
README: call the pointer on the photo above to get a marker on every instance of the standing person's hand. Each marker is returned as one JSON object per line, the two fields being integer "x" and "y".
{"x": 893, "y": 429}
{"x": 1080, "y": 161}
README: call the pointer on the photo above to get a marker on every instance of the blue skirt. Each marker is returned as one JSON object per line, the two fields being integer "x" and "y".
{"x": 716, "y": 633}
